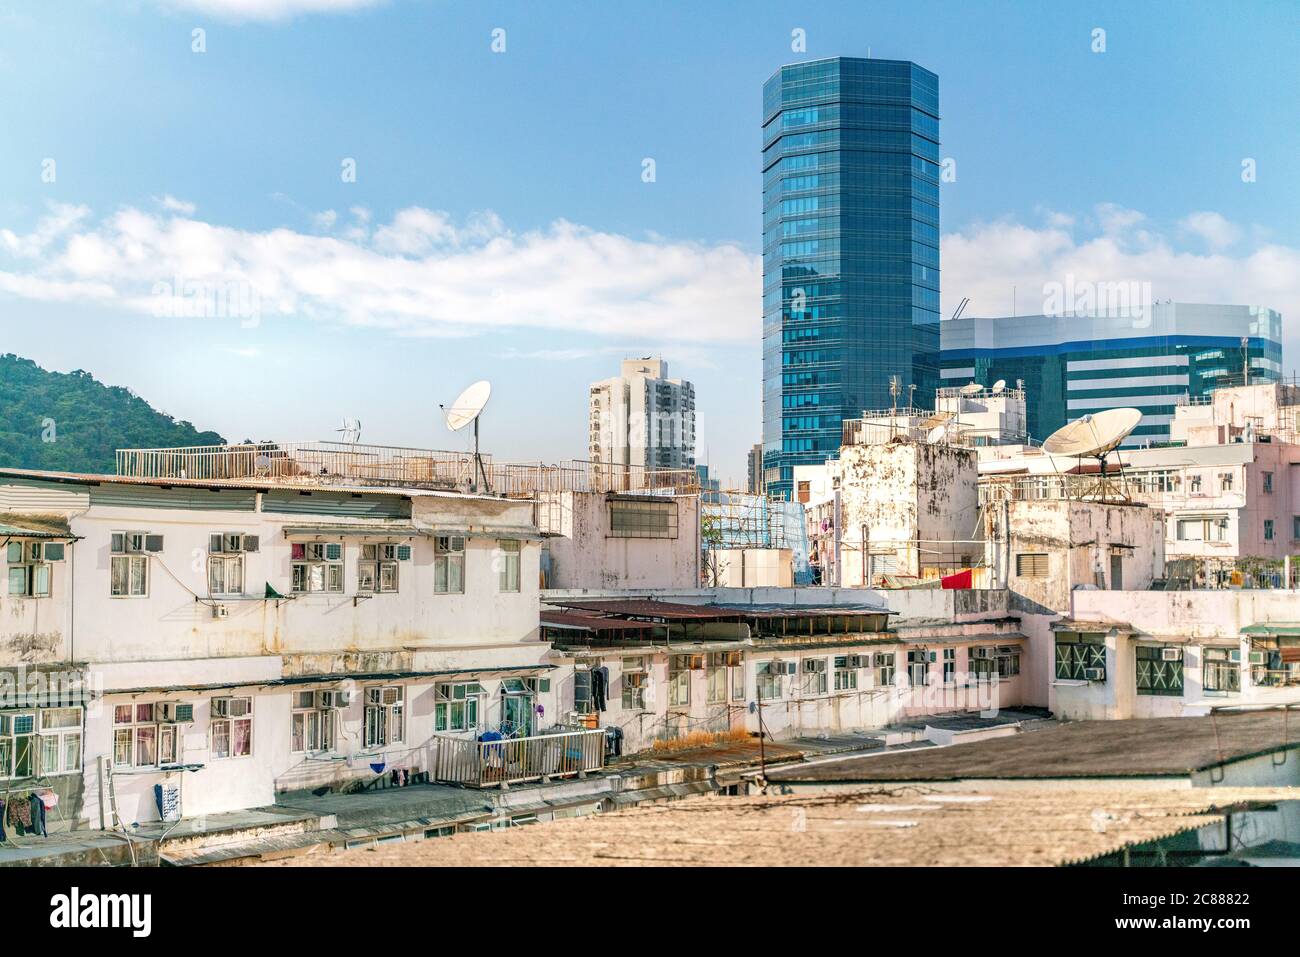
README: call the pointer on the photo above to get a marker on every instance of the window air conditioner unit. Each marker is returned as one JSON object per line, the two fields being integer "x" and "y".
{"x": 220, "y": 611}
{"x": 390, "y": 696}
{"x": 790, "y": 667}
{"x": 1094, "y": 674}
{"x": 1171, "y": 654}
{"x": 1258, "y": 658}
{"x": 153, "y": 543}
{"x": 697, "y": 662}
{"x": 220, "y": 707}
{"x": 51, "y": 551}
{"x": 981, "y": 652}
{"x": 176, "y": 712}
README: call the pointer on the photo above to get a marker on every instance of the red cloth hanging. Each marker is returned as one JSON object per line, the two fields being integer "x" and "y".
{"x": 963, "y": 579}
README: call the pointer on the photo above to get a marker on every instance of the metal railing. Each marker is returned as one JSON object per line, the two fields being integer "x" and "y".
{"x": 327, "y": 463}
{"x": 482, "y": 764}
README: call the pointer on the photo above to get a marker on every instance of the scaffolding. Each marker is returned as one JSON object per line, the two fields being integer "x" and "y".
{"x": 740, "y": 520}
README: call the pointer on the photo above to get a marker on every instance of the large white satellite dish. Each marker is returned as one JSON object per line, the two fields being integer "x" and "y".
{"x": 936, "y": 435}
{"x": 999, "y": 386}
{"x": 971, "y": 388}
{"x": 1096, "y": 436}
{"x": 468, "y": 408}
{"x": 1093, "y": 435}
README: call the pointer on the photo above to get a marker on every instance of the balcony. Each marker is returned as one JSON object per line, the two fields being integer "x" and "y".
{"x": 564, "y": 753}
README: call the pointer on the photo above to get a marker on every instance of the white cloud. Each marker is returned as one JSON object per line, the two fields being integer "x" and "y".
{"x": 266, "y": 10}
{"x": 1214, "y": 229}
{"x": 325, "y": 220}
{"x": 422, "y": 273}
{"x": 174, "y": 205}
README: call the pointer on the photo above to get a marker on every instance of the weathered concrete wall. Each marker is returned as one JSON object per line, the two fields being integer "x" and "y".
{"x": 914, "y": 500}
{"x": 583, "y": 554}
{"x": 751, "y": 567}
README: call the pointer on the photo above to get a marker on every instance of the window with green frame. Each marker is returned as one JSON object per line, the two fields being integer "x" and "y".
{"x": 1158, "y": 673}
{"x": 1078, "y": 654}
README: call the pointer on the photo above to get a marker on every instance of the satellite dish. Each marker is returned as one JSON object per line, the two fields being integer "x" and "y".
{"x": 939, "y": 418}
{"x": 468, "y": 406}
{"x": 999, "y": 386}
{"x": 351, "y": 431}
{"x": 936, "y": 435}
{"x": 971, "y": 388}
{"x": 1093, "y": 434}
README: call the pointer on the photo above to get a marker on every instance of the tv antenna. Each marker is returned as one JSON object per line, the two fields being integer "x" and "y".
{"x": 467, "y": 409}
{"x": 351, "y": 431}
{"x": 1096, "y": 436}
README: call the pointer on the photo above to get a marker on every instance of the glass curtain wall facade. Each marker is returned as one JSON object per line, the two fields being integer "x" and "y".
{"x": 850, "y": 250}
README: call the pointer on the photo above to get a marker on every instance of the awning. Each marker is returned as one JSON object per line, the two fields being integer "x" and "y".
{"x": 369, "y": 529}
{"x": 334, "y": 678}
{"x": 526, "y": 532}
{"x": 1273, "y": 629}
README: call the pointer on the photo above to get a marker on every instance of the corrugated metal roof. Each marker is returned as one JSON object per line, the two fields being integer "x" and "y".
{"x": 400, "y": 529}
{"x": 562, "y": 619}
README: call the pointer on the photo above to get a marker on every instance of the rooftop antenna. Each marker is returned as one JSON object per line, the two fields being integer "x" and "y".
{"x": 467, "y": 409}
{"x": 1096, "y": 436}
{"x": 351, "y": 431}
{"x": 894, "y": 389}
{"x": 961, "y": 307}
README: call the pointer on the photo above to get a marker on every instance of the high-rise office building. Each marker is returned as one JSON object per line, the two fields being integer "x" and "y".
{"x": 1163, "y": 355}
{"x": 850, "y": 249}
{"x": 643, "y": 418}
{"x": 754, "y": 470}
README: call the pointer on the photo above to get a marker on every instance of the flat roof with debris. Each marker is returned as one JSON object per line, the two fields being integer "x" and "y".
{"x": 678, "y": 611}
{"x": 1137, "y": 747}
{"x": 883, "y": 826}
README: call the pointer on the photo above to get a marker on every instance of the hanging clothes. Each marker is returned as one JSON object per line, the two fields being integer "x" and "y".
{"x": 599, "y": 687}
{"x": 3, "y": 837}
{"x": 37, "y": 811}
{"x": 20, "y": 813}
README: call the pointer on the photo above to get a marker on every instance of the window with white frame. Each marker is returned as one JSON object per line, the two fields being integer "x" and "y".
{"x": 949, "y": 665}
{"x": 385, "y": 716}
{"x": 508, "y": 574}
{"x": 448, "y": 565}
{"x": 140, "y": 740}
{"x": 1225, "y": 481}
{"x": 60, "y": 740}
{"x": 885, "y": 664}
{"x": 232, "y": 727}
{"x": 226, "y": 561}
{"x": 459, "y": 707}
{"x": 29, "y": 570}
{"x": 717, "y": 672}
{"x": 129, "y": 564}
{"x": 814, "y": 676}
{"x": 317, "y": 567}
{"x": 918, "y": 668}
{"x": 18, "y": 753}
{"x": 679, "y": 679}
{"x": 767, "y": 677}
{"x": 1221, "y": 670}
{"x": 378, "y": 569}
{"x": 846, "y": 672}
{"x": 633, "y": 683}
{"x": 311, "y": 725}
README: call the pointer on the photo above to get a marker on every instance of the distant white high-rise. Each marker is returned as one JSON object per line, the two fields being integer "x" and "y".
{"x": 643, "y": 418}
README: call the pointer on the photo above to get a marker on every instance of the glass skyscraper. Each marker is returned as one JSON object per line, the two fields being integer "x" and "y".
{"x": 850, "y": 250}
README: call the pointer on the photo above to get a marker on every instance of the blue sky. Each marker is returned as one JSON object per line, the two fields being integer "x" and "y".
{"x": 499, "y": 225}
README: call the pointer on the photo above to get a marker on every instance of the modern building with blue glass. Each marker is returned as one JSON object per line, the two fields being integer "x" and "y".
{"x": 850, "y": 250}
{"x": 1166, "y": 354}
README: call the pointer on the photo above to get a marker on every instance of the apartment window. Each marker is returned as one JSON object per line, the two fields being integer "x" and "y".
{"x": 1295, "y": 527}
{"x": 449, "y": 565}
{"x": 508, "y": 576}
{"x": 885, "y": 664}
{"x": 140, "y": 738}
{"x": 846, "y": 672}
{"x": 981, "y": 663}
{"x": 949, "y": 665}
{"x": 918, "y": 667}
{"x": 582, "y": 700}
{"x": 29, "y": 574}
{"x": 716, "y": 677}
{"x": 60, "y": 740}
{"x": 232, "y": 727}
{"x": 1080, "y": 657}
{"x": 311, "y": 726}
{"x": 1008, "y": 659}
{"x": 814, "y": 676}
{"x": 18, "y": 744}
{"x": 1268, "y": 529}
{"x": 1268, "y": 482}
{"x": 1201, "y": 529}
{"x": 1221, "y": 670}
{"x": 768, "y": 674}
{"x": 1031, "y": 565}
{"x": 1159, "y": 671}
{"x": 1225, "y": 481}
{"x": 385, "y": 716}
{"x": 638, "y": 519}
{"x": 1194, "y": 482}
{"x": 457, "y": 706}
{"x": 317, "y": 567}
{"x": 633, "y": 684}
{"x": 377, "y": 568}
{"x": 129, "y": 563}
{"x": 679, "y": 679}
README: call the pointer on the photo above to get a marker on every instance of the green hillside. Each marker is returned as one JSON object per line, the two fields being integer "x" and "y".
{"x": 85, "y": 419}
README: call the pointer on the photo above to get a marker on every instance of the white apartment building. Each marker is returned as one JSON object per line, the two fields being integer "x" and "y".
{"x": 224, "y": 640}
{"x": 642, "y": 418}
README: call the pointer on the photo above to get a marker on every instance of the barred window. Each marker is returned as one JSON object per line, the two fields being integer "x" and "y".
{"x": 1031, "y": 565}
{"x": 639, "y": 519}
